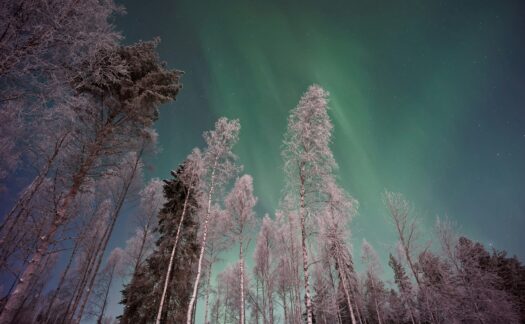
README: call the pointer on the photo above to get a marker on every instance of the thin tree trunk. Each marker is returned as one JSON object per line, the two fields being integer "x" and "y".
{"x": 26, "y": 198}
{"x": 141, "y": 250}
{"x": 172, "y": 257}
{"x": 375, "y": 302}
{"x": 208, "y": 281}
{"x": 307, "y": 298}
{"x": 203, "y": 246}
{"x": 79, "y": 287}
{"x": 62, "y": 280}
{"x": 241, "y": 266}
{"x": 270, "y": 304}
{"x": 22, "y": 289}
{"x": 108, "y": 232}
{"x": 101, "y": 316}
{"x": 342, "y": 275}
{"x": 285, "y": 308}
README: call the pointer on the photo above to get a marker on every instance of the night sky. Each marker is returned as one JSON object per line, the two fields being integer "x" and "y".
{"x": 427, "y": 99}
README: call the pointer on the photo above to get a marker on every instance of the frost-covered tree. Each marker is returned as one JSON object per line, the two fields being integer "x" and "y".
{"x": 41, "y": 46}
{"x": 266, "y": 268}
{"x": 100, "y": 297}
{"x": 406, "y": 294}
{"x": 308, "y": 161}
{"x": 333, "y": 235}
{"x": 141, "y": 243}
{"x": 141, "y": 296}
{"x": 124, "y": 88}
{"x": 219, "y": 240}
{"x": 239, "y": 205}
{"x": 373, "y": 283}
{"x": 190, "y": 175}
{"x": 219, "y": 165}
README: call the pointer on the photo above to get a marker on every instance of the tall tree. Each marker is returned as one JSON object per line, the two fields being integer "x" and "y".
{"x": 124, "y": 88}
{"x": 333, "y": 227}
{"x": 239, "y": 204}
{"x": 219, "y": 166}
{"x": 142, "y": 294}
{"x": 374, "y": 285}
{"x": 405, "y": 289}
{"x": 141, "y": 243}
{"x": 266, "y": 267}
{"x": 100, "y": 297}
{"x": 308, "y": 161}
{"x": 190, "y": 176}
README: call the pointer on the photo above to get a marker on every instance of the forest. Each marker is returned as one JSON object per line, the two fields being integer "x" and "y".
{"x": 78, "y": 112}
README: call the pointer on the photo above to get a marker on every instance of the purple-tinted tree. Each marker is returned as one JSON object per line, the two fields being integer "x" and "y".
{"x": 239, "y": 205}
{"x": 333, "y": 235}
{"x": 266, "y": 269}
{"x": 141, "y": 244}
{"x": 308, "y": 161}
{"x": 219, "y": 240}
{"x": 190, "y": 177}
{"x": 123, "y": 89}
{"x": 373, "y": 284}
{"x": 219, "y": 165}
{"x": 100, "y": 297}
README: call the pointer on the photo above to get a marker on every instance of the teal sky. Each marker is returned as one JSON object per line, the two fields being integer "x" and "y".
{"x": 427, "y": 99}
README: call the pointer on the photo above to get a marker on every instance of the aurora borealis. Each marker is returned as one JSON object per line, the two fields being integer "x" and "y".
{"x": 427, "y": 99}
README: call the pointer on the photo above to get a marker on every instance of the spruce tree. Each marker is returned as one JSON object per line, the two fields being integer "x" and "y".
{"x": 142, "y": 295}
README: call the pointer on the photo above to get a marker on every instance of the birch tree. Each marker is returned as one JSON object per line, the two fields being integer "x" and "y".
{"x": 266, "y": 267}
{"x": 307, "y": 161}
{"x": 239, "y": 204}
{"x": 100, "y": 297}
{"x": 219, "y": 166}
{"x": 131, "y": 88}
{"x": 373, "y": 283}
{"x": 141, "y": 243}
{"x": 333, "y": 227}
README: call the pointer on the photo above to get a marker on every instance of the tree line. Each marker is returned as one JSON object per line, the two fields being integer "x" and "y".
{"x": 78, "y": 112}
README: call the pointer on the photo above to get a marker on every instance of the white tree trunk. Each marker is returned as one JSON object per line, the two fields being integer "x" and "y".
{"x": 241, "y": 266}
{"x": 307, "y": 298}
{"x": 347, "y": 294}
{"x": 208, "y": 284}
{"x": 172, "y": 257}
{"x": 203, "y": 247}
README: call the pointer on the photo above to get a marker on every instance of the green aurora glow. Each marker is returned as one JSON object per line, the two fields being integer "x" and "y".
{"x": 426, "y": 99}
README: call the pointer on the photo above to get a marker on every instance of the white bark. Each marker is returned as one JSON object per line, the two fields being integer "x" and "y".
{"x": 172, "y": 257}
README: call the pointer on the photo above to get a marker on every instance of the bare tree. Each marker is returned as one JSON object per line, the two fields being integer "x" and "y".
{"x": 333, "y": 227}
{"x": 100, "y": 297}
{"x": 308, "y": 160}
{"x": 373, "y": 283}
{"x": 109, "y": 126}
{"x": 219, "y": 163}
{"x": 266, "y": 267}
{"x": 142, "y": 241}
{"x": 239, "y": 204}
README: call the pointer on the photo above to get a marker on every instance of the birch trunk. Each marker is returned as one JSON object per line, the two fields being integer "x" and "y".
{"x": 203, "y": 247}
{"x": 172, "y": 257}
{"x": 22, "y": 288}
{"x": 101, "y": 316}
{"x": 241, "y": 267}
{"x": 208, "y": 281}
{"x": 107, "y": 235}
{"x": 307, "y": 298}
{"x": 62, "y": 280}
